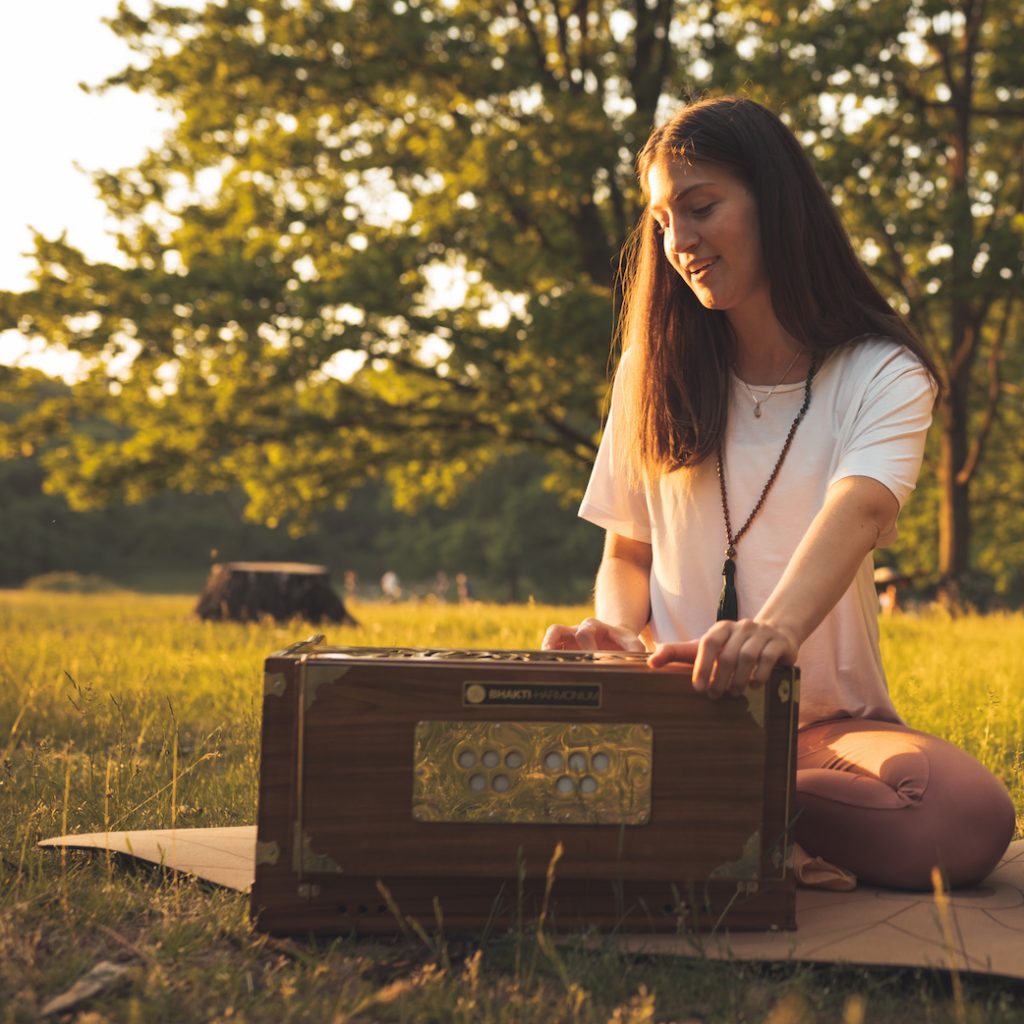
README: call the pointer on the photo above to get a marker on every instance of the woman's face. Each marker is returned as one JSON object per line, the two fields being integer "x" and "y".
{"x": 708, "y": 221}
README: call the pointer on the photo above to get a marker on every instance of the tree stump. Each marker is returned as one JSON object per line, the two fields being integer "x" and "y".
{"x": 246, "y": 591}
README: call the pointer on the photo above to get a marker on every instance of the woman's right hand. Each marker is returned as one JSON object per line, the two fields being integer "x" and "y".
{"x": 591, "y": 635}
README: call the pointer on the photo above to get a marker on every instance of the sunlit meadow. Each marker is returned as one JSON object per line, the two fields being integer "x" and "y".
{"x": 119, "y": 711}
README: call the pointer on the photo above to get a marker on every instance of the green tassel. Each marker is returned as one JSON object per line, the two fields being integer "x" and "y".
{"x": 728, "y": 604}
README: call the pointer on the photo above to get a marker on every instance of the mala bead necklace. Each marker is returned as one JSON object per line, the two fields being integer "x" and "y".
{"x": 728, "y": 603}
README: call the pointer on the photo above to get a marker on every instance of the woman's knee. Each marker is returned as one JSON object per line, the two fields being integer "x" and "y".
{"x": 895, "y": 823}
{"x": 970, "y": 814}
{"x": 976, "y": 834}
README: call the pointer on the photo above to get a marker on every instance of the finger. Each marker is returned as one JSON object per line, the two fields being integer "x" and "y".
{"x": 708, "y": 650}
{"x": 747, "y": 664}
{"x": 730, "y": 669}
{"x": 774, "y": 653}
{"x": 668, "y": 654}
{"x": 560, "y": 638}
{"x": 550, "y": 641}
{"x": 625, "y": 639}
{"x": 588, "y": 634}
{"x": 615, "y": 639}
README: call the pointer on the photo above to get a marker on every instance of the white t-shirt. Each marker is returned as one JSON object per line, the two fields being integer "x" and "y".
{"x": 870, "y": 410}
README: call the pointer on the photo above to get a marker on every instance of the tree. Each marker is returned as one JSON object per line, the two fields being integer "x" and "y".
{"x": 360, "y": 158}
{"x": 334, "y": 163}
{"x": 914, "y": 110}
{"x": 513, "y": 537}
{"x": 507, "y": 533}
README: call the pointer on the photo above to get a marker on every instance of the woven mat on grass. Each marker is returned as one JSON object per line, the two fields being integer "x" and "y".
{"x": 866, "y": 926}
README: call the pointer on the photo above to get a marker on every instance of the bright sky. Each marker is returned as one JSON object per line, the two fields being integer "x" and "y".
{"x": 53, "y": 134}
{"x": 48, "y": 125}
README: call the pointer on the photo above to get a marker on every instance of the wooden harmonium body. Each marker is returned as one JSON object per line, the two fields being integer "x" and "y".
{"x": 403, "y": 782}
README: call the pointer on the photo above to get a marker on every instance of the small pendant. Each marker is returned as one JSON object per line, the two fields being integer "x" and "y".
{"x": 728, "y": 604}
{"x": 757, "y": 409}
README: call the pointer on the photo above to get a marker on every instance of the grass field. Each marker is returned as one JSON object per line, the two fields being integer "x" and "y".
{"x": 118, "y": 711}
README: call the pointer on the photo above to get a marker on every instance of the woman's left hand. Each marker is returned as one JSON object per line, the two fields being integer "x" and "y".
{"x": 730, "y": 656}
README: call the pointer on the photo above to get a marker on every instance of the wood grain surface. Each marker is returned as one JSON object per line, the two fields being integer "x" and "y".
{"x": 336, "y": 791}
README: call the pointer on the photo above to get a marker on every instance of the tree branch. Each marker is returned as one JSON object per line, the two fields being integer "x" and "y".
{"x": 903, "y": 280}
{"x": 646, "y": 76}
{"x": 563, "y": 430}
{"x": 538, "y": 46}
{"x": 582, "y": 13}
{"x": 964, "y": 352}
{"x": 923, "y": 102}
{"x": 977, "y": 449}
{"x": 940, "y": 47}
{"x": 562, "y": 34}
{"x": 974, "y": 17}
{"x": 520, "y": 215}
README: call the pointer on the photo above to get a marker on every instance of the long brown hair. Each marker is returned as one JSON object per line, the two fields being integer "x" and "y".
{"x": 676, "y": 385}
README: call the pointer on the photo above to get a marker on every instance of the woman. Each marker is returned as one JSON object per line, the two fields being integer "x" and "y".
{"x": 768, "y": 421}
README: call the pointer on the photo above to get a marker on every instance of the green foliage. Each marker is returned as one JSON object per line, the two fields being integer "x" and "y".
{"x": 914, "y": 113}
{"x": 172, "y": 537}
{"x": 509, "y": 533}
{"x": 283, "y": 323}
{"x": 358, "y": 157}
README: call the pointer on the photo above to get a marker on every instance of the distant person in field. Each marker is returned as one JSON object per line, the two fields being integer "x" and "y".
{"x": 463, "y": 589}
{"x": 391, "y": 586}
{"x": 888, "y": 601}
{"x": 767, "y": 422}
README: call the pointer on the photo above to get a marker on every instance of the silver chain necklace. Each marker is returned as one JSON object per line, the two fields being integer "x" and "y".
{"x": 758, "y": 402}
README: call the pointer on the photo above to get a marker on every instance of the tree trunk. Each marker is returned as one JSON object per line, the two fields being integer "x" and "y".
{"x": 513, "y": 584}
{"x": 954, "y": 473}
{"x": 247, "y": 591}
{"x": 954, "y": 524}
{"x": 954, "y": 504}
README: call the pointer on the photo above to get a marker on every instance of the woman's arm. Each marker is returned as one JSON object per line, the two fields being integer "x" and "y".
{"x": 733, "y": 655}
{"x": 622, "y": 600}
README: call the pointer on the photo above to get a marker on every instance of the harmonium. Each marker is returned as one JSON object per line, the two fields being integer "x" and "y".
{"x": 485, "y": 788}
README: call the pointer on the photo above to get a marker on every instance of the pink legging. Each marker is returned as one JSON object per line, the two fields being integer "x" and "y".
{"x": 888, "y": 803}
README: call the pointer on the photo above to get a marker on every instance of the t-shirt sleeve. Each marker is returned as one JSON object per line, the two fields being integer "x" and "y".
{"x": 609, "y": 501}
{"x": 885, "y": 436}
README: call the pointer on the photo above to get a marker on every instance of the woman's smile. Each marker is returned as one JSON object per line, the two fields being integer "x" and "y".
{"x": 698, "y": 270}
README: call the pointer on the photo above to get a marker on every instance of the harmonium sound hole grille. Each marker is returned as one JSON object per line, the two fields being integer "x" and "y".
{"x": 532, "y": 772}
